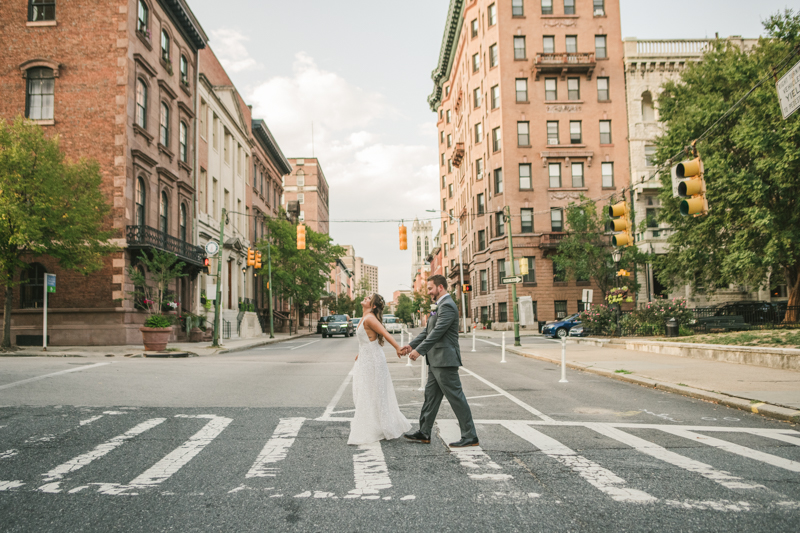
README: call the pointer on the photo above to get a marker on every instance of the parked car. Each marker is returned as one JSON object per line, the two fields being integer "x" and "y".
{"x": 560, "y": 328}
{"x": 392, "y": 324}
{"x": 338, "y": 325}
{"x": 753, "y": 312}
{"x": 356, "y": 322}
{"x": 322, "y": 321}
{"x": 578, "y": 331}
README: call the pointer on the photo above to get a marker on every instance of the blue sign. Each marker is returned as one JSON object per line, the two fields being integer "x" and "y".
{"x": 50, "y": 281}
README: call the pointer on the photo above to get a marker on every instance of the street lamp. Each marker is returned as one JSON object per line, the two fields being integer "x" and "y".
{"x": 460, "y": 263}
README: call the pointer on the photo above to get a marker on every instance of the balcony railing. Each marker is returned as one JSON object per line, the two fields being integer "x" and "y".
{"x": 458, "y": 155}
{"x": 565, "y": 63}
{"x": 139, "y": 237}
{"x": 551, "y": 240}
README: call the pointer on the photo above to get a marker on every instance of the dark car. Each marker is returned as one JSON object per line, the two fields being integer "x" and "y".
{"x": 560, "y": 328}
{"x": 338, "y": 325}
{"x": 753, "y": 312}
{"x": 322, "y": 321}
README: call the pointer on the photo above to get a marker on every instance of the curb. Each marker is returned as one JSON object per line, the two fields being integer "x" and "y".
{"x": 260, "y": 343}
{"x": 759, "y": 408}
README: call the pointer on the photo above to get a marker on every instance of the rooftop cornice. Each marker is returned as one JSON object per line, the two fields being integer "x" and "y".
{"x": 452, "y": 32}
{"x": 267, "y": 141}
{"x": 186, "y": 22}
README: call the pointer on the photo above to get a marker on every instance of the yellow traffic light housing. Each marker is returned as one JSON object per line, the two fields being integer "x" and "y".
{"x": 523, "y": 266}
{"x": 258, "y": 261}
{"x": 693, "y": 187}
{"x": 620, "y": 221}
{"x": 466, "y": 287}
{"x": 403, "y": 237}
{"x": 301, "y": 237}
{"x": 251, "y": 257}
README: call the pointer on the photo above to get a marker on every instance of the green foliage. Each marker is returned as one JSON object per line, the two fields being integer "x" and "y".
{"x": 660, "y": 310}
{"x": 48, "y": 206}
{"x": 346, "y": 306}
{"x": 405, "y": 309}
{"x": 157, "y": 321}
{"x": 599, "y": 320}
{"x": 752, "y": 167}
{"x": 152, "y": 286}
{"x": 617, "y": 295}
{"x": 421, "y": 303}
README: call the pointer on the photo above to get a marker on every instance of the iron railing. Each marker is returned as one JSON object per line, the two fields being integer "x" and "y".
{"x": 147, "y": 237}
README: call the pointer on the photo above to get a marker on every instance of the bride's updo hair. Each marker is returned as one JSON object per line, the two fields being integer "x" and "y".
{"x": 376, "y": 308}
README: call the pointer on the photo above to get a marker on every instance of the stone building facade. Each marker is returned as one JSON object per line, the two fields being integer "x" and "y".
{"x": 421, "y": 244}
{"x": 308, "y": 185}
{"x": 530, "y": 105}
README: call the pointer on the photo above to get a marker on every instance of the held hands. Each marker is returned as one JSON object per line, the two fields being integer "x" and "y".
{"x": 413, "y": 355}
{"x": 411, "y": 352}
{"x": 405, "y": 350}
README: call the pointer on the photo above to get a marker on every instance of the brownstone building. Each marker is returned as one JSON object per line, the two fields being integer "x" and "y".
{"x": 117, "y": 82}
{"x": 530, "y": 101}
{"x": 307, "y": 184}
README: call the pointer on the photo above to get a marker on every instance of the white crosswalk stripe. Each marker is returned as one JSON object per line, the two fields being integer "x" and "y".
{"x": 276, "y": 448}
{"x": 474, "y": 459}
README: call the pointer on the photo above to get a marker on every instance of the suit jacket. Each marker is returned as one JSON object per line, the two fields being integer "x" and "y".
{"x": 439, "y": 341}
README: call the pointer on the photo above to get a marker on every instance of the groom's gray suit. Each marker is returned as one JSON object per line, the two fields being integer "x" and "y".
{"x": 439, "y": 343}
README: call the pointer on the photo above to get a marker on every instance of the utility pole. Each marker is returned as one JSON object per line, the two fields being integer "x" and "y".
{"x": 633, "y": 236}
{"x": 507, "y": 214}
{"x": 217, "y": 317}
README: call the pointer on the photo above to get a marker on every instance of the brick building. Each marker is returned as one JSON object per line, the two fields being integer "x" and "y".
{"x": 117, "y": 82}
{"x": 307, "y": 184}
{"x": 530, "y": 102}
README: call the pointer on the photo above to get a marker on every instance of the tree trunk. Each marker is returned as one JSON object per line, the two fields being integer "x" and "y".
{"x": 792, "y": 275}
{"x": 7, "y": 316}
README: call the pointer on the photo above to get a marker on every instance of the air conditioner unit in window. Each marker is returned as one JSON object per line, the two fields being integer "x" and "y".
{"x": 552, "y": 141}
{"x": 599, "y": 12}
{"x": 479, "y": 176}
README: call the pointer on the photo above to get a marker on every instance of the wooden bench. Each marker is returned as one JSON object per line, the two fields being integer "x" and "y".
{"x": 730, "y": 323}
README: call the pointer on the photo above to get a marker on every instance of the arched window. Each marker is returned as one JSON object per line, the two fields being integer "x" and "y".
{"x": 164, "y": 125}
{"x": 144, "y": 18}
{"x": 427, "y": 247}
{"x": 163, "y": 213}
{"x": 301, "y": 178}
{"x": 141, "y": 103}
{"x": 648, "y": 112}
{"x": 184, "y": 71}
{"x": 165, "y": 46}
{"x": 40, "y": 94}
{"x": 140, "y": 201}
{"x": 41, "y": 10}
{"x": 184, "y": 139}
{"x": 183, "y": 223}
{"x": 32, "y": 288}
{"x": 419, "y": 247}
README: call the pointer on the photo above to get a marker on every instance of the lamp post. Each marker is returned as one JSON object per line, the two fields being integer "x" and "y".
{"x": 616, "y": 255}
{"x": 460, "y": 264}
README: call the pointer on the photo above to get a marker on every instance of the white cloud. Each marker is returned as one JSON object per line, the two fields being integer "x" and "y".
{"x": 229, "y": 47}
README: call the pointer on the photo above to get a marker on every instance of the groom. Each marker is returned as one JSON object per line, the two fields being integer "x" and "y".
{"x": 439, "y": 342}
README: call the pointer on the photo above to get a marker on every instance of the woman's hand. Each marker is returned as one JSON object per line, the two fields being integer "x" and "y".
{"x": 356, "y": 357}
{"x": 399, "y": 352}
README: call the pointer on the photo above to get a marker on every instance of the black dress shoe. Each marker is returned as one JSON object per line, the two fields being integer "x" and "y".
{"x": 463, "y": 443}
{"x": 418, "y": 436}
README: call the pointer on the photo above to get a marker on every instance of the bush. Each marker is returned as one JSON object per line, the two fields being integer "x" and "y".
{"x": 157, "y": 321}
{"x": 661, "y": 310}
{"x": 599, "y": 320}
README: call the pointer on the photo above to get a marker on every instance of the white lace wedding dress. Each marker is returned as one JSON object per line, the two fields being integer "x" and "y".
{"x": 377, "y": 414}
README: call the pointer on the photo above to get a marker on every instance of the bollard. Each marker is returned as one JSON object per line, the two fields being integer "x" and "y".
{"x": 473, "y": 338}
{"x": 423, "y": 372}
{"x": 503, "y": 360}
{"x": 563, "y": 361}
{"x": 408, "y": 359}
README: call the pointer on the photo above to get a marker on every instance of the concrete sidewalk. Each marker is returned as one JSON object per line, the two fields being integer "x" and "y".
{"x": 769, "y": 391}
{"x": 193, "y": 348}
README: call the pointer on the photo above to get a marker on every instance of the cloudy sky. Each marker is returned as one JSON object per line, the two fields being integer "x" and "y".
{"x": 359, "y": 70}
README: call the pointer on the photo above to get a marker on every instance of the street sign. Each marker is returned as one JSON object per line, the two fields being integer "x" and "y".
{"x": 212, "y": 247}
{"x": 587, "y": 296}
{"x": 526, "y": 315}
{"x": 789, "y": 91}
{"x": 50, "y": 281}
{"x": 511, "y": 280}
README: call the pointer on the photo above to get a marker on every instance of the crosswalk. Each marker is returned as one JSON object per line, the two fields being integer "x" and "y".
{"x": 165, "y": 447}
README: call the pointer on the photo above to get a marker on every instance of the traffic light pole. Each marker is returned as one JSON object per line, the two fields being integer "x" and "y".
{"x": 269, "y": 287}
{"x": 507, "y": 214}
{"x": 634, "y": 279}
{"x": 215, "y": 342}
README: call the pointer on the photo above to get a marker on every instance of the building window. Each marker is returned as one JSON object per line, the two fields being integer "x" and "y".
{"x": 602, "y": 89}
{"x": 183, "y": 222}
{"x": 478, "y": 132}
{"x": 550, "y": 89}
{"x": 525, "y": 176}
{"x": 32, "y": 291}
{"x": 517, "y": 9}
{"x": 301, "y": 178}
{"x": 493, "y": 55}
{"x": 474, "y": 25}
{"x": 427, "y": 247}
{"x": 450, "y": 165}
{"x": 552, "y": 132}
{"x": 575, "y": 136}
{"x": 450, "y": 191}
{"x": 599, "y": 8}
{"x": 447, "y": 116}
{"x": 554, "y": 171}
{"x": 605, "y": 132}
{"x": 519, "y": 47}
{"x": 481, "y": 240}
{"x": 184, "y": 140}
{"x": 481, "y": 204}
{"x": 479, "y": 169}
{"x": 608, "y": 174}
{"x": 561, "y": 308}
{"x": 165, "y": 46}
{"x": 648, "y": 111}
{"x": 522, "y": 89}
{"x": 501, "y": 270}
{"x": 549, "y": 44}
{"x": 441, "y": 137}
{"x": 40, "y": 94}
{"x": 577, "y": 174}
{"x": 502, "y": 312}
{"x": 495, "y": 96}
{"x": 547, "y": 7}
{"x": 444, "y": 182}
{"x": 526, "y": 217}
{"x": 144, "y": 17}
{"x": 39, "y": 10}
{"x": 301, "y": 198}
{"x": 649, "y": 156}
{"x": 651, "y": 217}
{"x": 523, "y": 134}
{"x": 530, "y": 277}
{"x": 164, "y": 125}
{"x": 484, "y": 281}
{"x": 572, "y": 44}
{"x": 492, "y": 15}
{"x": 496, "y": 139}
{"x": 573, "y": 89}
{"x": 556, "y": 220}
{"x": 449, "y": 143}
{"x": 600, "y": 51}
{"x": 476, "y": 62}
{"x": 476, "y": 97}
{"x": 569, "y": 7}
{"x": 140, "y": 201}
{"x": 184, "y": 71}
{"x": 163, "y": 213}
{"x": 141, "y": 103}
{"x": 499, "y": 224}
{"x": 498, "y": 181}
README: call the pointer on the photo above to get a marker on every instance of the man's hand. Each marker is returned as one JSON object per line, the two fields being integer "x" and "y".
{"x": 413, "y": 355}
{"x": 405, "y": 350}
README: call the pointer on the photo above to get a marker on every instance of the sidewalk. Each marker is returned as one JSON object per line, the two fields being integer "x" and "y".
{"x": 768, "y": 391}
{"x": 193, "y": 348}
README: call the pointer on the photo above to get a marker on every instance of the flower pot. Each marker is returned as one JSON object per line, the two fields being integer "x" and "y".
{"x": 155, "y": 339}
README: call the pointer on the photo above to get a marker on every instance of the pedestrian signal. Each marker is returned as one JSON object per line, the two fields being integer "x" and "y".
{"x": 258, "y": 261}
{"x": 301, "y": 237}
{"x": 523, "y": 266}
{"x": 251, "y": 257}
{"x": 466, "y": 287}
{"x": 403, "y": 237}
{"x": 620, "y": 221}
{"x": 693, "y": 188}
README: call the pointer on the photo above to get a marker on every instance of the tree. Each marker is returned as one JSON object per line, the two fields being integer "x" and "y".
{"x": 345, "y": 305}
{"x": 405, "y": 309}
{"x": 163, "y": 269}
{"x": 421, "y": 303}
{"x": 48, "y": 206}
{"x": 752, "y": 168}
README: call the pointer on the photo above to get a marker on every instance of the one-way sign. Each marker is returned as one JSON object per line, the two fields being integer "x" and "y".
{"x": 511, "y": 279}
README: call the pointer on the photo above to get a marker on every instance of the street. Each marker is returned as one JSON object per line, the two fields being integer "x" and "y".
{"x": 256, "y": 440}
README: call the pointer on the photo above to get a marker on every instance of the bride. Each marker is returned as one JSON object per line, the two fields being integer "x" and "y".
{"x": 377, "y": 414}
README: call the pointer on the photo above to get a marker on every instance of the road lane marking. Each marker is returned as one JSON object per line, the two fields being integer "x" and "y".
{"x": 304, "y": 345}
{"x": 10, "y": 485}
{"x": 8, "y": 453}
{"x": 654, "y": 450}
{"x": 37, "y": 378}
{"x": 776, "y": 436}
{"x": 370, "y": 472}
{"x": 488, "y": 342}
{"x": 602, "y": 479}
{"x": 52, "y": 485}
{"x": 276, "y": 448}
{"x": 479, "y": 465}
{"x": 750, "y": 453}
{"x": 90, "y": 420}
{"x": 336, "y": 397}
{"x": 511, "y": 397}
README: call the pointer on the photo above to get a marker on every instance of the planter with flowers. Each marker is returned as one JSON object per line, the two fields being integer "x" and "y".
{"x": 151, "y": 278}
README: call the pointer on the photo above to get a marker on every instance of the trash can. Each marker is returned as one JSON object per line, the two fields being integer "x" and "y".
{"x": 673, "y": 328}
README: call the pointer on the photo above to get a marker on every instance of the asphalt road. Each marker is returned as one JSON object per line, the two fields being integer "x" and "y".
{"x": 256, "y": 441}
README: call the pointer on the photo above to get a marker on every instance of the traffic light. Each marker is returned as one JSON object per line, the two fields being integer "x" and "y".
{"x": 206, "y": 264}
{"x": 466, "y": 287}
{"x": 403, "y": 237}
{"x": 251, "y": 257}
{"x": 620, "y": 221}
{"x": 693, "y": 188}
{"x": 523, "y": 266}
{"x": 301, "y": 237}
{"x": 258, "y": 261}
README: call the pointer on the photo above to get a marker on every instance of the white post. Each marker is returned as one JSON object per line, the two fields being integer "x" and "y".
{"x": 503, "y": 360}
{"x": 473, "y": 337}
{"x": 408, "y": 359}
{"x": 423, "y": 372}
{"x": 563, "y": 361}
{"x": 44, "y": 337}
